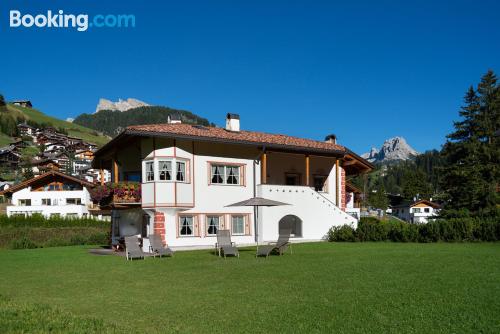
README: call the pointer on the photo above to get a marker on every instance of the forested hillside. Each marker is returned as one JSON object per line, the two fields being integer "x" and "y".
{"x": 113, "y": 122}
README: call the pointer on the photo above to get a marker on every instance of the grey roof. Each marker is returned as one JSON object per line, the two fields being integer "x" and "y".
{"x": 233, "y": 116}
{"x": 258, "y": 201}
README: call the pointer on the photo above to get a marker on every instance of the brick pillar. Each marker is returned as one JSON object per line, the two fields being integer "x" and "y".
{"x": 159, "y": 225}
{"x": 342, "y": 190}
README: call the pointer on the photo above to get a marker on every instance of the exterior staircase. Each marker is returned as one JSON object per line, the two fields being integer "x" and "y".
{"x": 317, "y": 213}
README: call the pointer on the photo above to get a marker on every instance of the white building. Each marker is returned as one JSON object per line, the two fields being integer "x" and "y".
{"x": 50, "y": 194}
{"x": 418, "y": 212}
{"x": 189, "y": 175}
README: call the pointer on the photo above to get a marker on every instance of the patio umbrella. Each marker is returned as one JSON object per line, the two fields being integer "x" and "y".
{"x": 256, "y": 202}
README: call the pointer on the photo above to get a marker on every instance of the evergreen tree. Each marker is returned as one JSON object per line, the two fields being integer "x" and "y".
{"x": 471, "y": 175}
{"x": 2, "y": 101}
{"x": 378, "y": 197}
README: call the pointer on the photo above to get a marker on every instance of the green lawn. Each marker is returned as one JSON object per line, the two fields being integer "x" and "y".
{"x": 321, "y": 288}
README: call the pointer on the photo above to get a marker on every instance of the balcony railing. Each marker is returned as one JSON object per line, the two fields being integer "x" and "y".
{"x": 117, "y": 193}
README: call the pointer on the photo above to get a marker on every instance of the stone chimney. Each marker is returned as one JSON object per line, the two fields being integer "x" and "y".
{"x": 233, "y": 122}
{"x": 332, "y": 139}
{"x": 174, "y": 119}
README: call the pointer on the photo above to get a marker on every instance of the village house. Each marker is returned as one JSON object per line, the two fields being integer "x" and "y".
{"x": 189, "y": 174}
{"x": 418, "y": 212}
{"x": 52, "y": 194}
{"x": 23, "y": 103}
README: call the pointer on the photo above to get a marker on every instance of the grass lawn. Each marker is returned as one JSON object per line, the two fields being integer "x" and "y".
{"x": 321, "y": 288}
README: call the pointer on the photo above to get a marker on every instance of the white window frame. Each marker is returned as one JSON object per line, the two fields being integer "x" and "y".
{"x": 45, "y": 200}
{"x": 171, "y": 170}
{"x": 78, "y": 201}
{"x": 24, "y": 202}
{"x": 243, "y": 224}
{"x": 207, "y": 225}
{"x": 184, "y": 172}
{"x": 147, "y": 172}
{"x": 224, "y": 173}
{"x": 181, "y": 226}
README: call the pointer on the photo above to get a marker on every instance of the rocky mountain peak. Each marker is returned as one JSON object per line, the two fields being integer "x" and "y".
{"x": 120, "y": 105}
{"x": 393, "y": 149}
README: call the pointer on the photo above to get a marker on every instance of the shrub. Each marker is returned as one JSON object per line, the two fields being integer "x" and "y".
{"x": 453, "y": 229}
{"x": 341, "y": 233}
{"x": 38, "y": 220}
{"x": 22, "y": 243}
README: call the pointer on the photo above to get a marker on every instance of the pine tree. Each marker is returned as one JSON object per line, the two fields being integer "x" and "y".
{"x": 470, "y": 176}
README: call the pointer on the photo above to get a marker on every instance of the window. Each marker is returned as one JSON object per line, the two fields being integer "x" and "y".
{"x": 46, "y": 201}
{"x": 181, "y": 171}
{"x": 416, "y": 210}
{"x": 72, "y": 215}
{"x": 238, "y": 225}
{"x": 186, "y": 227}
{"x": 150, "y": 173}
{"x": 217, "y": 174}
{"x": 212, "y": 225}
{"x": 222, "y": 174}
{"x": 233, "y": 175}
{"x": 320, "y": 183}
{"x": 77, "y": 201}
{"x": 292, "y": 179}
{"x": 24, "y": 202}
{"x": 427, "y": 210}
{"x": 165, "y": 170}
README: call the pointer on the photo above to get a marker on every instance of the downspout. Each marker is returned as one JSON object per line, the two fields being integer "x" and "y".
{"x": 255, "y": 209}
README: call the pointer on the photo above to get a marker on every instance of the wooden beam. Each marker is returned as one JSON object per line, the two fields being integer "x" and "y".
{"x": 115, "y": 171}
{"x": 349, "y": 163}
{"x": 337, "y": 180}
{"x": 307, "y": 170}
{"x": 263, "y": 167}
{"x": 101, "y": 174}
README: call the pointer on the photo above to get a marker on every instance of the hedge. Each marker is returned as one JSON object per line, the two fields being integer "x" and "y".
{"x": 448, "y": 230}
{"x": 40, "y": 237}
{"x": 38, "y": 220}
{"x": 37, "y": 231}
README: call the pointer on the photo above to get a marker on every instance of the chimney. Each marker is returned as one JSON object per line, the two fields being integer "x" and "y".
{"x": 233, "y": 122}
{"x": 332, "y": 139}
{"x": 174, "y": 119}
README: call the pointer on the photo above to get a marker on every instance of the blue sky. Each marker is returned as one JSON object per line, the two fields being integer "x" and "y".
{"x": 365, "y": 71}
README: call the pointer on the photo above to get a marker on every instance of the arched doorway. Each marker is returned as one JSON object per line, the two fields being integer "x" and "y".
{"x": 292, "y": 223}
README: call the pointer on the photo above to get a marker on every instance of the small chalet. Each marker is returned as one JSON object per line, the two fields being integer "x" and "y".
{"x": 418, "y": 212}
{"x": 52, "y": 194}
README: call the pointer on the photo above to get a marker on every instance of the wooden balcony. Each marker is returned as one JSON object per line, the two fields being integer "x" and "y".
{"x": 121, "y": 194}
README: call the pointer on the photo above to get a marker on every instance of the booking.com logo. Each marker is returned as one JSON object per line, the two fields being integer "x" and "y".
{"x": 61, "y": 20}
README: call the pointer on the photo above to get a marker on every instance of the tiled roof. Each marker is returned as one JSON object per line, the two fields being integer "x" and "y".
{"x": 51, "y": 173}
{"x": 221, "y": 134}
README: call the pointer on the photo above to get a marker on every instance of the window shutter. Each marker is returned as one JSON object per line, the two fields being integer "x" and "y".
{"x": 222, "y": 222}
{"x": 247, "y": 225}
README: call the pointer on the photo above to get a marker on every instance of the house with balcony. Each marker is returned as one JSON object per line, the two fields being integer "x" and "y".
{"x": 418, "y": 212}
{"x": 52, "y": 194}
{"x": 189, "y": 174}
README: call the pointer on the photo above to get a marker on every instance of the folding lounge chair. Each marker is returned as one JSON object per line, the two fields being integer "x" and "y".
{"x": 281, "y": 245}
{"x": 225, "y": 245}
{"x": 132, "y": 249}
{"x": 157, "y": 248}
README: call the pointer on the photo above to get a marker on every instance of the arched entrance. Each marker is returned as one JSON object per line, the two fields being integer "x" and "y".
{"x": 293, "y": 223}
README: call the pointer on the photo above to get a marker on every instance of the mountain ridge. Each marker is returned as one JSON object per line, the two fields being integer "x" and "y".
{"x": 392, "y": 150}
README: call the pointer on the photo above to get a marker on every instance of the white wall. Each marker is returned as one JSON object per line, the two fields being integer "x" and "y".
{"x": 56, "y": 197}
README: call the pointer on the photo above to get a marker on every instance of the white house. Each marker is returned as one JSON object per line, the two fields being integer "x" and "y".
{"x": 50, "y": 194}
{"x": 189, "y": 174}
{"x": 418, "y": 212}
